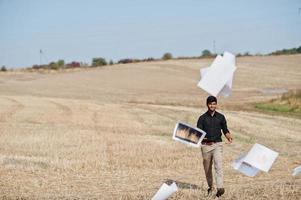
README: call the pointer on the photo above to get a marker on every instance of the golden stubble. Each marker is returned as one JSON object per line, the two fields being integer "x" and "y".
{"x": 107, "y": 133}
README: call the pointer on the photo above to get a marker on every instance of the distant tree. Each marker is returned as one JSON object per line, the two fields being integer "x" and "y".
{"x": 60, "y": 63}
{"x": 148, "y": 59}
{"x": 98, "y": 62}
{"x": 36, "y": 67}
{"x": 40, "y": 67}
{"x": 287, "y": 51}
{"x": 73, "y": 64}
{"x": 167, "y": 56}
{"x": 128, "y": 60}
{"x": 206, "y": 53}
{"x": 247, "y": 54}
{"x": 54, "y": 65}
{"x": 3, "y": 68}
{"x": 125, "y": 61}
{"x": 111, "y": 62}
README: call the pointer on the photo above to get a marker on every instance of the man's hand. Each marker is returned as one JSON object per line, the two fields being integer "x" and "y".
{"x": 229, "y": 137}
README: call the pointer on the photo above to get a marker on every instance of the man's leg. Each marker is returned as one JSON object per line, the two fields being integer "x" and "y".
{"x": 207, "y": 163}
{"x": 218, "y": 166}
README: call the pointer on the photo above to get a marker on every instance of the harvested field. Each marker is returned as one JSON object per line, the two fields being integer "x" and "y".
{"x": 106, "y": 133}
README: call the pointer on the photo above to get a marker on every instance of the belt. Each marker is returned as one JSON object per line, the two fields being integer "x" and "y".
{"x": 208, "y": 143}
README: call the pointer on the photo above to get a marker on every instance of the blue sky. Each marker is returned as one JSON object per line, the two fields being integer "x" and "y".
{"x": 80, "y": 30}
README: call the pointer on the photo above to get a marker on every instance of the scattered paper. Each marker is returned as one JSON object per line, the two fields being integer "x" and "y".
{"x": 243, "y": 167}
{"x": 187, "y": 134}
{"x": 297, "y": 171}
{"x": 165, "y": 191}
{"x": 217, "y": 79}
{"x": 259, "y": 158}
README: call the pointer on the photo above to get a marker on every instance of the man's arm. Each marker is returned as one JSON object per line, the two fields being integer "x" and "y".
{"x": 226, "y": 131}
{"x": 200, "y": 123}
{"x": 229, "y": 137}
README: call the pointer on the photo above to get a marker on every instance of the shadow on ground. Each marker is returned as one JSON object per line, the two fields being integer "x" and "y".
{"x": 183, "y": 185}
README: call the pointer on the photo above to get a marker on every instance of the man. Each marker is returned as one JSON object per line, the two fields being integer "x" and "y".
{"x": 213, "y": 122}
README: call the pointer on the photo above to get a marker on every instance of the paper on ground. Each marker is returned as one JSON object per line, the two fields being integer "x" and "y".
{"x": 244, "y": 168}
{"x": 258, "y": 158}
{"x": 165, "y": 191}
{"x": 218, "y": 77}
{"x": 297, "y": 171}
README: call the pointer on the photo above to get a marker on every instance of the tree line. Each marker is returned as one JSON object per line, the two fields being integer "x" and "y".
{"x": 100, "y": 61}
{"x": 287, "y": 51}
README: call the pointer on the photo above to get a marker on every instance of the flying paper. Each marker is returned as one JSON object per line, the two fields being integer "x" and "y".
{"x": 243, "y": 167}
{"x": 217, "y": 79}
{"x": 297, "y": 171}
{"x": 188, "y": 135}
{"x": 165, "y": 191}
{"x": 259, "y": 158}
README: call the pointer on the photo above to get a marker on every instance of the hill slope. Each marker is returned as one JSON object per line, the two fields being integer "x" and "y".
{"x": 105, "y": 133}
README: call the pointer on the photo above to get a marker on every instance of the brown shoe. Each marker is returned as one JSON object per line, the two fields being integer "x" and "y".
{"x": 220, "y": 192}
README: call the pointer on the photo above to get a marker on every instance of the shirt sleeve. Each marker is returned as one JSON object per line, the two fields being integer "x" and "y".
{"x": 224, "y": 125}
{"x": 200, "y": 123}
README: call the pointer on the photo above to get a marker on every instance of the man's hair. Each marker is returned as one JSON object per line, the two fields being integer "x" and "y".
{"x": 211, "y": 99}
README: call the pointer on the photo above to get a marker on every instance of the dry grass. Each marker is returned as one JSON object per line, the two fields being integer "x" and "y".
{"x": 106, "y": 133}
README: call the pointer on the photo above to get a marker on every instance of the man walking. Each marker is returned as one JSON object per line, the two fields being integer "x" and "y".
{"x": 213, "y": 122}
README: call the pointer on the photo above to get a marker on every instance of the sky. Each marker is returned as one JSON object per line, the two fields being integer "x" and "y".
{"x": 79, "y": 30}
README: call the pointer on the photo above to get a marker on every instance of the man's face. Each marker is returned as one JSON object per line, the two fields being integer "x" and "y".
{"x": 212, "y": 106}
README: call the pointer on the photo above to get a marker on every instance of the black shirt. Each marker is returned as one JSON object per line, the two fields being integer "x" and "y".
{"x": 213, "y": 125}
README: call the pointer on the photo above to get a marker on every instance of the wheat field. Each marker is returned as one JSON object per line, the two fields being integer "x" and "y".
{"x": 106, "y": 133}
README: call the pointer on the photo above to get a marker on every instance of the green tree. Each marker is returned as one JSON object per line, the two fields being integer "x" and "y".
{"x": 111, "y": 62}
{"x": 247, "y": 54}
{"x": 3, "y": 68}
{"x": 206, "y": 53}
{"x": 167, "y": 56}
{"x": 60, "y": 63}
{"x": 54, "y": 65}
{"x": 98, "y": 62}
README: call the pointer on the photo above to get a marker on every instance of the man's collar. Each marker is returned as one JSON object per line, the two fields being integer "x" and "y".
{"x": 209, "y": 113}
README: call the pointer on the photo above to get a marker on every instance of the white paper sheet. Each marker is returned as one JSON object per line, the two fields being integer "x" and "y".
{"x": 217, "y": 79}
{"x": 297, "y": 171}
{"x": 227, "y": 89}
{"x": 244, "y": 168}
{"x": 261, "y": 157}
{"x": 165, "y": 191}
